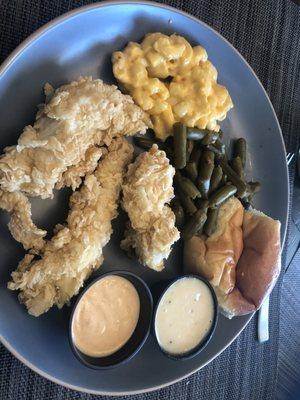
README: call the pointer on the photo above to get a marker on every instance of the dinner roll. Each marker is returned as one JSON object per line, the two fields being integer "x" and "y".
{"x": 241, "y": 259}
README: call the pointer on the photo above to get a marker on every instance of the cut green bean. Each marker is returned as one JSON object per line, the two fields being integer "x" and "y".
{"x": 194, "y": 225}
{"x": 187, "y": 204}
{"x": 237, "y": 166}
{"x": 232, "y": 176}
{"x": 216, "y": 179}
{"x": 143, "y": 142}
{"x": 186, "y": 186}
{"x": 196, "y": 155}
{"x": 221, "y": 195}
{"x": 247, "y": 203}
{"x": 206, "y": 167}
{"x": 191, "y": 171}
{"x": 220, "y": 146}
{"x": 240, "y": 149}
{"x": 223, "y": 180}
{"x": 210, "y": 138}
{"x": 202, "y": 203}
{"x": 179, "y": 138}
{"x": 217, "y": 152}
{"x": 189, "y": 149}
{"x": 211, "y": 222}
{"x": 146, "y": 143}
{"x": 196, "y": 134}
{"x": 179, "y": 213}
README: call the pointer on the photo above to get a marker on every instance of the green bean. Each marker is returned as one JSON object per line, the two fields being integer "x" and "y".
{"x": 179, "y": 138}
{"x": 211, "y": 222}
{"x": 223, "y": 180}
{"x": 206, "y": 167}
{"x": 196, "y": 134}
{"x": 203, "y": 204}
{"x": 194, "y": 225}
{"x": 146, "y": 143}
{"x": 216, "y": 178}
{"x": 217, "y": 152}
{"x": 196, "y": 155}
{"x": 179, "y": 213}
{"x": 191, "y": 171}
{"x": 220, "y": 146}
{"x": 254, "y": 187}
{"x": 206, "y": 136}
{"x": 189, "y": 149}
{"x": 237, "y": 166}
{"x": 221, "y": 195}
{"x": 143, "y": 142}
{"x": 246, "y": 203}
{"x": 232, "y": 176}
{"x": 240, "y": 149}
{"x": 210, "y": 138}
{"x": 186, "y": 186}
{"x": 187, "y": 204}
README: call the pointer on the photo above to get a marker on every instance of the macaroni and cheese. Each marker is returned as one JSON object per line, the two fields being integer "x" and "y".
{"x": 173, "y": 82}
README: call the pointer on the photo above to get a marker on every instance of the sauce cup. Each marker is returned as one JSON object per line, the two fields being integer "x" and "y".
{"x": 199, "y": 346}
{"x": 139, "y": 335}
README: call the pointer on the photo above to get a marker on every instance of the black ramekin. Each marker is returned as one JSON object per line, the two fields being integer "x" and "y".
{"x": 137, "y": 339}
{"x": 200, "y": 346}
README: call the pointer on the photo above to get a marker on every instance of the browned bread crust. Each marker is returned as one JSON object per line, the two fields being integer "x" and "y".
{"x": 242, "y": 259}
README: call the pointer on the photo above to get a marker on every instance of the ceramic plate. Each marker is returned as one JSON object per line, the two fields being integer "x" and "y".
{"x": 81, "y": 43}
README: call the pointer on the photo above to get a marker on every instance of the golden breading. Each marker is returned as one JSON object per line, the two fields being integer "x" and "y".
{"x": 20, "y": 225}
{"x": 76, "y": 249}
{"x": 146, "y": 190}
{"x": 79, "y": 115}
{"x": 74, "y": 174}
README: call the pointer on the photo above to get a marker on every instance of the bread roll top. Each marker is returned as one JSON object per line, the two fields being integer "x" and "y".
{"x": 241, "y": 259}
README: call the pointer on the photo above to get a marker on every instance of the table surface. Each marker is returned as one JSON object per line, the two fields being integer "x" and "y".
{"x": 266, "y": 32}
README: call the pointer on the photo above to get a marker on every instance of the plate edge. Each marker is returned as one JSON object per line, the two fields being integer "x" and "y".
{"x": 5, "y": 65}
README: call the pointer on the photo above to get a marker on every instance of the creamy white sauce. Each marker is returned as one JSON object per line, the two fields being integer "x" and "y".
{"x": 184, "y": 315}
{"x": 106, "y": 316}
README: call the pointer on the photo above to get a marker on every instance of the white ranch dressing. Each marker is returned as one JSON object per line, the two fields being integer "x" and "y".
{"x": 184, "y": 315}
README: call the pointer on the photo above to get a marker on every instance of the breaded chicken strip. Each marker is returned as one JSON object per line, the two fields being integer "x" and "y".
{"x": 76, "y": 249}
{"x": 73, "y": 175}
{"x": 79, "y": 115}
{"x": 20, "y": 225}
{"x": 146, "y": 190}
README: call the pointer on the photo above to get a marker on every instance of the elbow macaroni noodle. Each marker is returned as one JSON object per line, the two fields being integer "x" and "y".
{"x": 173, "y": 82}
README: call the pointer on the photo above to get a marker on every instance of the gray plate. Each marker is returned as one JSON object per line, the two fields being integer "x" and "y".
{"x": 80, "y": 43}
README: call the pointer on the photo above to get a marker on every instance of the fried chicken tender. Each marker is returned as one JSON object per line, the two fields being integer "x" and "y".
{"x": 146, "y": 190}
{"x": 78, "y": 115}
{"x": 73, "y": 175}
{"x": 76, "y": 249}
{"x": 20, "y": 225}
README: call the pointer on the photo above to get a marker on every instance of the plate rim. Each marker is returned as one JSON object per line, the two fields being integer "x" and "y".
{"x": 4, "y": 67}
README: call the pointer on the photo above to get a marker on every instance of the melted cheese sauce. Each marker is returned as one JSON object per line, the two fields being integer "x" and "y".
{"x": 193, "y": 96}
{"x": 184, "y": 315}
{"x": 106, "y": 316}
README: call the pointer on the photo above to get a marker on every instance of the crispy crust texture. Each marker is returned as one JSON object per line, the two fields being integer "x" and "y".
{"x": 146, "y": 191}
{"x": 75, "y": 251}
